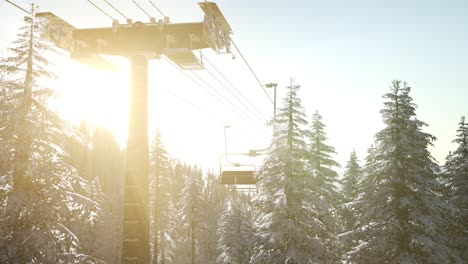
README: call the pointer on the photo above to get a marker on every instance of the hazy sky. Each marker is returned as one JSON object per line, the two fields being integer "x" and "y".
{"x": 344, "y": 54}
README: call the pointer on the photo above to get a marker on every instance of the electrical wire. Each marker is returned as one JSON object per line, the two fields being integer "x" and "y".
{"x": 142, "y": 9}
{"x": 19, "y": 7}
{"x": 257, "y": 112}
{"x": 230, "y": 106}
{"x": 102, "y": 11}
{"x": 159, "y": 10}
{"x": 115, "y": 8}
{"x": 251, "y": 70}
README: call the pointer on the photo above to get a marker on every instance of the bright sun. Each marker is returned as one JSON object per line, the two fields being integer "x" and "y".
{"x": 99, "y": 97}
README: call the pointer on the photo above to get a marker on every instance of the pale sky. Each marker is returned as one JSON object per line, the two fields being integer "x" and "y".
{"x": 344, "y": 54}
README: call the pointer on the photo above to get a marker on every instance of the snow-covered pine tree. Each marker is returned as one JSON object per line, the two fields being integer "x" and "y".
{"x": 214, "y": 196}
{"x": 42, "y": 192}
{"x": 180, "y": 231}
{"x": 98, "y": 158}
{"x": 351, "y": 177}
{"x": 400, "y": 208}
{"x": 321, "y": 161}
{"x": 455, "y": 174}
{"x": 105, "y": 162}
{"x": 191, "y": 216}
{"x": 160, "y": 198}
{"x": 322, "y": 166}
{"x": 235, "y": 233}
{"x": 180, "y": 171}
{"x": 286, "y": 223}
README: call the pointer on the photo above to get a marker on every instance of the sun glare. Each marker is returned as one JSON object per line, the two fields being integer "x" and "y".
{"x": 99, "y": 97}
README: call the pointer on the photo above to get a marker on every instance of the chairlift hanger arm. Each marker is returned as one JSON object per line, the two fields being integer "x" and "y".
{"x": 225, "y": 155}
{"x": 255, "y": 152}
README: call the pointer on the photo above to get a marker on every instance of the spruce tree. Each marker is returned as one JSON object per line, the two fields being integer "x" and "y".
{"x": 160, "y": 181}
{"x": 321, "y": 161}
{"x": 214, "y": 196}
{"x": 322, "y": 165}
{"x": 455, "y": 174}
{"x": 105, "y": 161}
{"x": 180, "y": 232}
{"x": 235, "y": 233}
{"x": 287, "y": 224}
{"x": 191, "y": 215}
{"x": 43, "y": 194}
{"x": 352, "y": 174}
{"x": 401, "y": 213}
{"x": 168, "y": 238}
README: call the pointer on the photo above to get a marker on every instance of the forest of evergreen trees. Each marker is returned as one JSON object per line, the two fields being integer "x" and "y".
{"x": 61, "y": 188}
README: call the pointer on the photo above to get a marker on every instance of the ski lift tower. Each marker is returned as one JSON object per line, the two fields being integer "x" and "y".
{"x": 141, "y": 42}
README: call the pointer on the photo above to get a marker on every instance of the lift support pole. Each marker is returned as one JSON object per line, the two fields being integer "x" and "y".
{"x": 136, "y": 200}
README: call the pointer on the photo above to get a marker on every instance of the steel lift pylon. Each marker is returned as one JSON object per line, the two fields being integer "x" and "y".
{"x": 141, "y": 42}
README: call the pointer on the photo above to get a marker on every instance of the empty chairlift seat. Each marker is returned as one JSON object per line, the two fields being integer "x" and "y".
{"x": 238, "y": 177}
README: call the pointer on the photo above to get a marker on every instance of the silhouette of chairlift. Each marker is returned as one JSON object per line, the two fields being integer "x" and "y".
{"x": 239, "y": 173}
{"x": 236, "y": 173}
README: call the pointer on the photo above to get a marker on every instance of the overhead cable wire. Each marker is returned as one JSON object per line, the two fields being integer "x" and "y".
{"x": 182, "y": 99}
{"x": 142, "y": 9}
{"x": 191, "y": 104}
{"x": 220, "y": 94}
{"x": 211, "y": 113}
{"x": 248, "y": 65}
{"x": 206, "y": 111}
{"x": 235, "y": 96}
{"x": 230, "y": 106}
{"x": 100, "y": 9}
{"x": 19, "y": 7}
{"x": 200, "y": 85}
{"x": 159, "y": 10}
{"x": 257, "y": 112}
{"x": 115, "y": 8}
{"x": 233, "y": 107}
{"x": 251, "y": 70}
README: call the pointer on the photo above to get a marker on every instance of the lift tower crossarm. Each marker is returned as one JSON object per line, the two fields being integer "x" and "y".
{"x": 60, "y": 33}
{"x": 147, "y": 39}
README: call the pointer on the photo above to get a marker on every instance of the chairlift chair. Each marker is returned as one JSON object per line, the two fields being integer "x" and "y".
{"x": 236, "y": 173}
{"x": 235, "y": 176}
